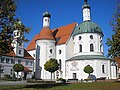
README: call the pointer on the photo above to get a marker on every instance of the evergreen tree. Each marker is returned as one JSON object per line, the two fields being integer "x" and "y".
{"x": 51, "y": 66}
{"x": 114, "y": 42}
{"x": 8, "y": 23}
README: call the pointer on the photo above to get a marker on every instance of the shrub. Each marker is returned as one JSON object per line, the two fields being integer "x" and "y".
{"x": 61, "y": 79}
{"x": 7, "y": 76}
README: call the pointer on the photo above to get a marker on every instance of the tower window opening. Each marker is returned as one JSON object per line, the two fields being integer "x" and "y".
{"x": 91, "y": 47}
{"x": 20, "y": 51}
{"x": 45, "y": 19}
{"x": 60, "y": 52}
{"x": 80, "y": 46}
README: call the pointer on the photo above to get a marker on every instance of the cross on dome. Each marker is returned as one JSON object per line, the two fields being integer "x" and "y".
{"x": 85, "y": 1}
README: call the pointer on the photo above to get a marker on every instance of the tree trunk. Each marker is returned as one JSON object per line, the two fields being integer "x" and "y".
{"x": 51, "y": 76}
{"x": 17, "y": 75}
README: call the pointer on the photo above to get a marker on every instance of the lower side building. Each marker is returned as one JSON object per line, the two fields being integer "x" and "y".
{"x": 7, "y": 61}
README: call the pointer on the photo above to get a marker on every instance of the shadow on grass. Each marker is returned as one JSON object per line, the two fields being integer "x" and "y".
{"x": 38, "y": 86}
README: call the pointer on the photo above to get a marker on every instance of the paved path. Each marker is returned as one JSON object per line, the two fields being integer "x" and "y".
{"x": 12, "y": 82}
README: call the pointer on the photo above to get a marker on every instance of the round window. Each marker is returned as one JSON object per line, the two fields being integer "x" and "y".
{"x": 91, "y": 36}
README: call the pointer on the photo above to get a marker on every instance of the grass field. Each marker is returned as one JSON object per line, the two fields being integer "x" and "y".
{"x": 76, "y": 86}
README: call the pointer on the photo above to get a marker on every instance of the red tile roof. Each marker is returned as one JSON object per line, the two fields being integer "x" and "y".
{"x": 117, "y": 59}
{"x": 27, "y": 69}
{"x": 61, "y": 35}
{"x": 12, "y": 54}
{"x": 45, "y": 33}
{"x": 32, "y": 44}
{"x": 27, "y": 55}
{"x": 64, "y": 32}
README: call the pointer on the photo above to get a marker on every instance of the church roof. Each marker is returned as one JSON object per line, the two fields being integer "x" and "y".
{"x": 12, "y": 54}
{"x": 27, "y": 69}
{"x": 32, "y": 44}
{"x": 86, "y": 5}
{"x": 61, "y": 35}
{"x": 46, "y": 14}
{"x": 117, "y": 59}
{"x": 89, "y": 57}
{"x": 87, "y": 27}
{"x": 45, "y": 34}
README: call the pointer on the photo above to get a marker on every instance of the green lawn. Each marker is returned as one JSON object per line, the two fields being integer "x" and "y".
{"x": 76, "y": 86}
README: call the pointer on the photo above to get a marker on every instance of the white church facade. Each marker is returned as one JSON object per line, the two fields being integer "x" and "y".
{"x": 74, "y": 46}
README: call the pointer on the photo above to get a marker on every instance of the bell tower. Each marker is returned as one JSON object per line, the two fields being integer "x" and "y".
{"x": 86, "y": 11}
{"x": 46, "y": 19}
{"x": 18, "y": 44}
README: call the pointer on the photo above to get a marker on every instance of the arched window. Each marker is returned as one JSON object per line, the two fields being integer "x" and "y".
{"x": 103, "y": 68}
{"x": 45, "y": 19}
{"x": 80, "y": 48}
{"x": 60, "y": 64}
{"x": 100, "y": 48}
{"x": 80, "y": 37}
{"x": 91, "y": 47}
{"x": 60, "y": 52}
{"x": 51, "y": 51}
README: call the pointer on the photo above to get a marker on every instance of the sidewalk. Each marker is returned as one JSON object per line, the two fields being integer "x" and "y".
{"x": 12, "y": 82}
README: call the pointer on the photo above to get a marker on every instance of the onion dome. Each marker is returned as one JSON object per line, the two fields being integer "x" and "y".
{"x": 45, "y": 34}
{"x": 46, "y": 14}
{"x": 86, "y": 5}
{"x": 87, "y": 27}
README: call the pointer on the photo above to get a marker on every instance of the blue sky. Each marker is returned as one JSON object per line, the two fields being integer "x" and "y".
{"x": 64, "y": 12}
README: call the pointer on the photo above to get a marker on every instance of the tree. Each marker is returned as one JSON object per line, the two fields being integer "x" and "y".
{"x": 88, "y": 69}
{"x": 51, "y": 66}
{"x": 114, "y": 42}
{"x": 18, "y": 68}
{"x": 8, "y": 23}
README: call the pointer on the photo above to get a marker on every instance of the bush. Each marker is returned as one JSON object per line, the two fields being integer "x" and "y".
{"x": 61, "y": 79}
{"x": 7, "y": 76}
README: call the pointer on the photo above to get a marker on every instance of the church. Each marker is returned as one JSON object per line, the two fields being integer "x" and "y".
{"x": 75, "y": 46}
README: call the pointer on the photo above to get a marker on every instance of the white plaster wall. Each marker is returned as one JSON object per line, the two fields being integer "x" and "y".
{"x": 45, "y": 55}
{"x": 96, "y": 64}
{"x": 33, "y": 54}
{"x": 99, "y": 73}
{"x": 46, "y": 21}
{"x": 86, "y": 14}
{"x": 61, "y": 56}
{"x": 113, "y": 72}
{"x": 69, "y": 48}
{"x": 85, "y": 42}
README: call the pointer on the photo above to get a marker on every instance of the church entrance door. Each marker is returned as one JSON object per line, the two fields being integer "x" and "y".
{"x": 74, "y": 75}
